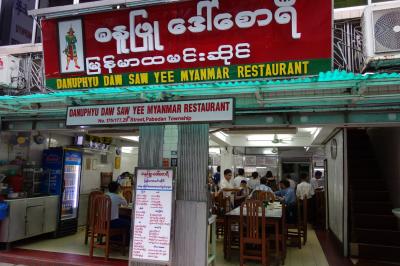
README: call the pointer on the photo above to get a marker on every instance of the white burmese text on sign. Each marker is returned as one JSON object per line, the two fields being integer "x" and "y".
{"x": 153, "y": 211}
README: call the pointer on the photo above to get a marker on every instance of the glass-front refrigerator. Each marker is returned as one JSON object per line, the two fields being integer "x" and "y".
{"x": 65, "y": 167}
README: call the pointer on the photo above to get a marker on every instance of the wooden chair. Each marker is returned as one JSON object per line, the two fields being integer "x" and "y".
{"x": 105, "y": 179}
{"x": 89, "y": 215}
{"x": 127, "y": 194}
{"x": 277, "y": 235}
{"x": 253, "y": 232}
{"x": 270, "y": 196}
{"x": 298, "y": 230}
{"x": 303, "y": 206}
{"x": 263, "y": 195}
{"x": 222, "y": 206}
{"x": 259, "y": 195}
{"x": 101, "y": 227}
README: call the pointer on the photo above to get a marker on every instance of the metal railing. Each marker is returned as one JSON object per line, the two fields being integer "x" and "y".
{"x": 348, "y": 46}
{"x": 30, "y": 78}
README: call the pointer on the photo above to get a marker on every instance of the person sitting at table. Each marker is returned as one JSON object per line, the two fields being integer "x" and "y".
{"x": 254, "y": 181}
{"x": 271, "y": 181}
{"x": 293, "y": 183}
{"x": 286, "y": 194}
{"x": 217, "y": 176}
{"x": 226, "y": 186}
{"x": 242, "y": 194}
{"x": 304, "y": 189}
{"x": 262, "y": 187}
{"x": 117, "y": 200}
{"x": 121, "y": 179}
{"x": 317, "y": 183}
{"x": 238, "y": 179}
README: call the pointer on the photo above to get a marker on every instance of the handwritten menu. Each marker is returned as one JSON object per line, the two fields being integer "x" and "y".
{"x": 153, "y": 210}
{"x": 250, "y": 160}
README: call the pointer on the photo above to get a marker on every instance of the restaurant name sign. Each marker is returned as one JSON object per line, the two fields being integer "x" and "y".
{"x": 152, "y": 113}
{"x": 189, "y": 41}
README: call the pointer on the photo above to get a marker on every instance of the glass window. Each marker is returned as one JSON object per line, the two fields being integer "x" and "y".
{"x": 349, "y": 3}
{"x": 17, "y": 25}
{"x": 86, "y": 1}
{"x": 52, "y": 3}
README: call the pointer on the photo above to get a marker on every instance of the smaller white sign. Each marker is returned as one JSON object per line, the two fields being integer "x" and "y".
{"x": 152, "y": 113}
{"x": 153, "y": 213}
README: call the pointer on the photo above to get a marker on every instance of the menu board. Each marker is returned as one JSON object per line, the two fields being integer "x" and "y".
{"x": 261, "y": 161}
{"x": 153, "y": 213}
{"x": 238, "y": 161}
{"x": 250, "y": 160}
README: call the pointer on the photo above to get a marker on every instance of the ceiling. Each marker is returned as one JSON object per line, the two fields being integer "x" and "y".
{"x": 273, "y": 138}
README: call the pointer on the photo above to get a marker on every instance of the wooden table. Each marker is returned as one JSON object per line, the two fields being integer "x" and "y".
{"x": 273, "y": 217}
{"x": 212, "y": 249}
{"x": 125, "y": 211}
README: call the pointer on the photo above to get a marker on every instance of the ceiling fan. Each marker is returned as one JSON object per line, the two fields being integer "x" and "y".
{"x": 277, "y": 140}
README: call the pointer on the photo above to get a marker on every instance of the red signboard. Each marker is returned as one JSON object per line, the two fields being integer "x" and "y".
{"x": 190, "y": 41}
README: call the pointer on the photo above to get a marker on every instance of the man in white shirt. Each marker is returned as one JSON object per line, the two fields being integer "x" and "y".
{"x": 239, "y": 178}
{"x": 226, "y": 182}
{"x": 254, "y": 181}
{"x": 292, "y": 183}
{"x": 227, "y": 186}
{"x": 317, "y": 182}
{"x": 304, "y": 189}
{"x": 117, "y": 200}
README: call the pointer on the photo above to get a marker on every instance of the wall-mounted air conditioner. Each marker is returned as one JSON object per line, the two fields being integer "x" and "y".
{"x": 9, "y": 71}
{"x": 381, "y": 31}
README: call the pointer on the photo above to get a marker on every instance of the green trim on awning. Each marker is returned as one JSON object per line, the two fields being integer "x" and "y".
{"x": 327, "y": 80}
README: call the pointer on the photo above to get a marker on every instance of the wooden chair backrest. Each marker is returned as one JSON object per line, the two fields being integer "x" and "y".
{"x": 259, "y": 195}
{"x": 223, "y": 204}
{"x": 250, "y": 222}
{"x": 302, "y": 211}
{"x": 127, "y": 194}
{"x": 90, "y": 209}
{"x": 270, "y": 196}
{"x": 105, "y": 179}
{"x": 102, "y": 214}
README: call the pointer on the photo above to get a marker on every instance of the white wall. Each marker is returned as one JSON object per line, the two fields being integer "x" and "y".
{"x": 32, "y": 152}
{"x": 386, "y": 142}
{"x": 91, "y": 170}
{"x": 335, "y": 188}
{"x": 91, "y": 175}
{"x": 129, "y": 162}
{"x": 92, "y": 167}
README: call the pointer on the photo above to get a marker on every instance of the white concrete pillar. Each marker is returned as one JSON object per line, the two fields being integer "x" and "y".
{"x": 227, "y": 159}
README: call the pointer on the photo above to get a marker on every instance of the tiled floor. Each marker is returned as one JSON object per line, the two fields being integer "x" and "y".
{"x": 310, "y": 255}
{"x": 73, "y": 244}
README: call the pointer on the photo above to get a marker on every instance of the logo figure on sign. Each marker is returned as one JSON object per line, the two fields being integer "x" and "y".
{"x": 70, "y": 50}
{"x": 1, "y": 64}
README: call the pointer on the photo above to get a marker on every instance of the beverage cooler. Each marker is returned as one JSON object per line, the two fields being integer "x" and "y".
{"x": 64, "y": 167}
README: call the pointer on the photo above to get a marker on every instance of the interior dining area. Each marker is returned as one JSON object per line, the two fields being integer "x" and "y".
{"x": 274, "y": 196}
{"x": 113, "y": 157}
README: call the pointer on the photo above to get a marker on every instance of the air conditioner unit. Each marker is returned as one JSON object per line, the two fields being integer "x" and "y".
{"x": 381, "y": 31}
{"x": 9, "y": 71}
